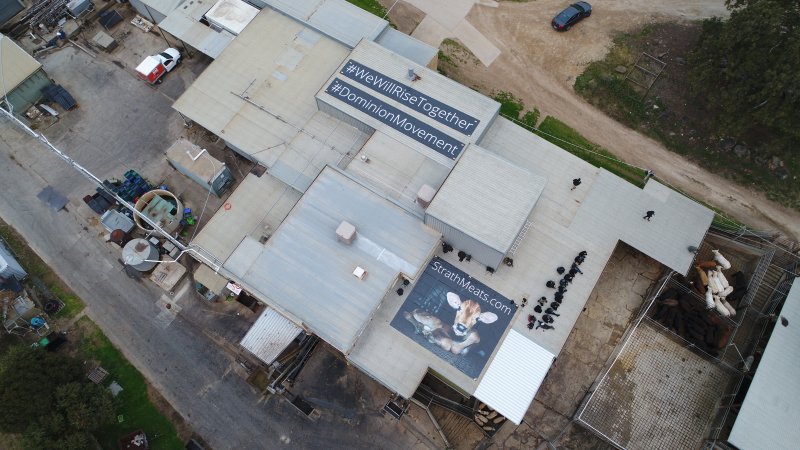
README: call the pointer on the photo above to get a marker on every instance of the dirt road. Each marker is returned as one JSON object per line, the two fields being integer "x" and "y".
{"x": 539, "y": 65}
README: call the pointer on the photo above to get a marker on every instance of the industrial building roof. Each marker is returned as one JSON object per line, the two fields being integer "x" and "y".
{"x": 768, "y": 415}
{"x": 9, "y": 9}
{"x": 407, "y": 46}
{"x": 256, "y": 208}
{"x": 338, "y": 19}
{"x": 162, "y": 6}
{"x": 231, "y": 15}
{"x": 487, "y": 197}
{"x": 184, "y": 23}
{"x": 518, "y": 358}
{"x": 260, "y": 99}
{"x": 17, "y": 64}
{"x": 303, "y": 269}
{"x": 272, "y": 117}
{"x": 270, "y": 335}
{"x": 214, "y": 282}
{"x": 605, "y": 208}
{"x": 409, "y": 102}
{"x": 194, "y": 159}
{"x": 396, "y": 170}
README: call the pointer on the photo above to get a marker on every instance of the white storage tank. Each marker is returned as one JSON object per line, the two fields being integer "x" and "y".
{"x": 140, "y": 254}
{"x": 8, "y": 264}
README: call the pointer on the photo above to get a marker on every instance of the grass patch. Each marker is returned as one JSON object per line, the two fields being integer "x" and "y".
{"x": 671, "y": 115}
{"x": 371, "y": 6}
{"x": 132, "y": 403}
{"x": 453, "y": 54}
{"x": 35, "y": 267}
{"x": 570, "y": 140}
{"x": 511, "y": 107}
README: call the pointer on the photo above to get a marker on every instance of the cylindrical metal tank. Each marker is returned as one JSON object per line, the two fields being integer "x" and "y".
{"x": 140, "y": 254}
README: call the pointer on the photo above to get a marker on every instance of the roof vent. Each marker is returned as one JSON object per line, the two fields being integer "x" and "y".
{"x": 425, "y": 195}
{"x": 346, "y": 232}
{"x": 360, "y": 273}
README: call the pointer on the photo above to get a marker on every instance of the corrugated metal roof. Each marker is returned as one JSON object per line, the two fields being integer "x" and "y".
{"x": 256, "y": 207}
{"x": 605, "y": 208}
{"x": 205, "y": 276}
{"x": 768, "y": 416}
{"x": 487, "y": 198}
{"x": 386, "y": 63}
{"x": 184, "y": 23}
{"x": 262, "y": 101}
{"x": 163, "y": 6}
{"x": 396, "y": 170}
{"x": 194, "y": 159}
{"x": 17, "y": 65}
{"x": 270, "y": 335}
{"x": 407, "y": 46}
{"x": 9, "y": 9}
{"x": 338, "y": 19}
{"x": 8, "y": 265}
{"x": 231, "y": 15}
{"x": 514, "y": 376}
{"x": 303, "y": 270}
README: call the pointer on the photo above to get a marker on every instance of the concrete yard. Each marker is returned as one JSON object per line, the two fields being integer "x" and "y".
{"x": 665, "y": 395}
{"x": 613, "y": 303}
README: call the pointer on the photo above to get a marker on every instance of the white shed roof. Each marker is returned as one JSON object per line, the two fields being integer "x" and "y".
{"x": 270, "y": 335}
{"x": 514, "y": 376}
{"x": 17, "y": 64}
{"x": 231, "y": 15}
{"x": 487, "y": 198}
{"x": 768, "y": 416}
{"x": 338, "y": 19}
{"x": 304, "y": 271}
{"x": 184, "y": 23}
{"x": 407, "y": 46}
{"x": 262, "y": 102}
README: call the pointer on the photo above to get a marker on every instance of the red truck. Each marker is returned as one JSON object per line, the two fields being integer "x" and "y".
{"x": 154, "y": 67}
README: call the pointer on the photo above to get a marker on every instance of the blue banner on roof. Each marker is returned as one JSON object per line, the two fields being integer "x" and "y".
{"x": 408, "y": 96}
{"x": 455, "y": 317}
{"x": 393, "y": 117}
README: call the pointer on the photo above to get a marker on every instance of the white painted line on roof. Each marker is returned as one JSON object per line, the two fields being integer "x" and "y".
{"x": 383, "y": 255}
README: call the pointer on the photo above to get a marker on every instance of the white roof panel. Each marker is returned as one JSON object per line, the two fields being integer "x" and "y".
{"x": 270, "y": 335}
{"x": 487, "y": 198}
{"x": 407, "y": 46}
{"x": 256, "y": 208}
{"x": 17, "y": 64}
{"x": 162, "y": 6}
{"x": 305, "y": 272}
{"x": 184, "y": 23}
{"x": 768, "y": 416}
{"x": 337, "y": 19}
{"x": 231, "y": 15}
{"x": 514, "y": 376}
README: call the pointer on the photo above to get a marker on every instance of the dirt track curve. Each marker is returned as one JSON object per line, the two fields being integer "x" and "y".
{"x": 539, "y": 65}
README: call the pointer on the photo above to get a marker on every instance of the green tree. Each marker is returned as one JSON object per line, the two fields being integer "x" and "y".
{"x": 746, "y": 67}
{"x": 47, "y": 398}
{"x": 28, "y": 382}
{"x": 85, "y": 406}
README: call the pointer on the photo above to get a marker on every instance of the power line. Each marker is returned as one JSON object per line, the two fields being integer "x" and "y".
{"x": 536, "y": 130}
{"x": 211, "y": 261}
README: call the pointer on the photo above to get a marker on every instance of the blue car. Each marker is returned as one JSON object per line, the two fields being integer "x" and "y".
{"x": 571, "y": 15}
